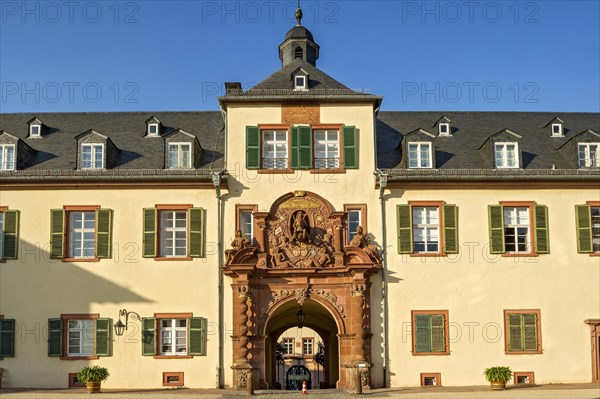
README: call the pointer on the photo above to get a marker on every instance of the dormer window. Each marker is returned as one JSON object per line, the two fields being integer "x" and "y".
{"x": 180, "y": 156}
{"x": 589, "y": 155}
{"x": 7, "y": 157}
{"x": 153, "y": 129}
{"x": 35, "y": 130}
{"x": 92, "y": 156}
{"x": 444, "y": 129}
{"x": 557, "y": 130}
{"x": 506, "y": 155}
{"x": 299, "y": 82}
{"x": 419, "y": 155}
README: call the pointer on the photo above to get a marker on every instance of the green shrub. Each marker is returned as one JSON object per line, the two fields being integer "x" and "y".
{"x": 498, "y": 374}
{"x": 92, "y": 374}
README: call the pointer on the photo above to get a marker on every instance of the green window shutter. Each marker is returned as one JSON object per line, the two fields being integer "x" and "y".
{"x": 148, "y": 336}
{"x": 529, "y": 332}
{"x": 196, "y": 233}
{"x": 55, "y": 337}
{"x": 57, "y": 234}
{"x": 197, "y": 336}
{"x": 404, "y": 222}
{"x": 10, "y": 235}
{"x": 7, "y": 337}
{"x": 438, "y": 333}
{"x": 350, "y": 147}
{"x": 496, "y": 221}
{"x": 584, "y": 228}
{"x": 450, "y": 229}
{"x": 103, "y": 328}
{"x": 149, "y": 241}
{"x": 515, "y": 336}
{"x": 252, "y": 147}
{"x": 422, "y": 333}
{"x": 295, "y": 155}
{"x": 103, "y": 233}
{"x": 304, "y": 147}
{"x": 540, "y": 215}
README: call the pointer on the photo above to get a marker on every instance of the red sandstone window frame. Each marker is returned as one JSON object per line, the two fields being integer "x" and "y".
{"x": 363, "y": 219}
{"x": 166, "y": 208}
{"x": 444, "y": 313}
{"x": 437, "y": 376}
{"x": 2, "y": 260}
{"x": 265, "y": 127}
{"x": 527, "y": 374}
{"x": 441, "y": 244}
{"x": 167, "y": 374}
{"x": 169, "y": 316}
{"x": 65, "y": 334}
{"x": 239, "y": 208}
{"x": 531, "y": 232}
{"x": 537, "y": 312}
{"x": 68, "y": 209}
{"x": 591, "y": 204}
{"x": 328, "y": 126}
{"x": 73, "y": 382}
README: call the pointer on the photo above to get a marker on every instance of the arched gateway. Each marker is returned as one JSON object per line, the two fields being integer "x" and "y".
{"x": 300, "y": 261}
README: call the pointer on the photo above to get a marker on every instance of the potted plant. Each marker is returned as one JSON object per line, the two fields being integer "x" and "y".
{"x": 498, "y": 376}
{"x": 92, "y": 376}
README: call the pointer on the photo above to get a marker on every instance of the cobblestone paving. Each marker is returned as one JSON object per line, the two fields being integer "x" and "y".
{"x": 325, "y": 394}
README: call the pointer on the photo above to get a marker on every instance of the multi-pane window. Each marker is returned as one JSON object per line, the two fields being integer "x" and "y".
{"x": 516, "y": 229}
{"x": 34, "y": 130}
{"x": 522, "y": 331}
{"x": 557, "y": 129}
{"x": 7, "y": 157}
{"x": 246, "y": 225}
{"x": 288, "y": 346}
{"x": 300, "y": 82}
{"x": 153, "y": 129}
{"x": 444, "y": 129}
{"x": 307, "y": 346}
{"x": 80, "y": 337}
{"x": 1, "y": 234}
{"x": 595, "y": 213}
{"x": 419, "y": 155}
{"x": 174, "y": 232}
{"x": 82, "y": 234}
{"x": 589, "y": 155}
{"x": 275, "y": 149}
{"x": 354, "y": 220}
{"x": 430, "y": 332}
{"x": 92, "y": 156}
{"x": 506, "y": 155}
{"x": 180, "y": 155}
{"x": 173, "y": 337}
{"x": 426, "y": 229}
{"x": 327, "y": 149}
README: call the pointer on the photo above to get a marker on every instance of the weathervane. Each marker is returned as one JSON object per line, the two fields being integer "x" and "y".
{"x": 299, "y": 14}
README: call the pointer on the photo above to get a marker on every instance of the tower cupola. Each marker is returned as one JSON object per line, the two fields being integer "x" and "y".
{"x": 298, "y": 43}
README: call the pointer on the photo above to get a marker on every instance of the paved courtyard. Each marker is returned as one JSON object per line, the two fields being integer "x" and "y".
{"x": 552, "y": 391}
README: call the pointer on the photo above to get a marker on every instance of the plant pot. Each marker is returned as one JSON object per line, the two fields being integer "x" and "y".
{"x": 498, "y": 385}
{"x": 93, "y": 387}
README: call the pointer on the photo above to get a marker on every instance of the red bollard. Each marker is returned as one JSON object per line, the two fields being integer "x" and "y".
{"x": 304, "y": 391}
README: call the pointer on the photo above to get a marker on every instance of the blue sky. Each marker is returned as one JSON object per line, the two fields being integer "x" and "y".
{"x": 64, "y": 56}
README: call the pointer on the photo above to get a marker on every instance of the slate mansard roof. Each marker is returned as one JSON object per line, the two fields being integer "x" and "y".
{"x": 463, "y": 156}
{"x": 55, "y": 153}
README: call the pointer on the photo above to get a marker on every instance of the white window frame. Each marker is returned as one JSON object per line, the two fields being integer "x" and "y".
{"x": 172, "y": 230}
{"x": 501, "y": 149}
{"x": 512, "y": 223}
{"x": 270, "y": 145}
{"x": 288, "y": 346}
{"x": 588, "y": 161}
{"x": 419, "y": 160}
{"x": 558, "y": 133}
{"x": 332, "y": 157}
{"x": 85, "y": 245}
{"x": 445, "y": 125}
{"x": 150, "y": 126}
{"x": 247, "y": 226}
{"x": 39, "y": 130}
{"x": 428, "y": 228}
{"x": 180, "y": 164}
{"x": 93, "y": 155}
{"x": 169, "y": 336}
{"x": 303, "y": 85}
{"x": 306, "y": 343}
{"x": 84, "y": 334}
{"x": 353, "y": 224}
{"x": 4, "y": 164}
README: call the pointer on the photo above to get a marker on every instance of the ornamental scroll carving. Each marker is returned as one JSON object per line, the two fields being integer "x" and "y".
{"x": 301, "y": 295}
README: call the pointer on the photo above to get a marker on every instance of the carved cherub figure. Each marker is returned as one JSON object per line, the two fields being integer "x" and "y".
{"x": 362, "y": 241}
{"x": 323, "y": 256}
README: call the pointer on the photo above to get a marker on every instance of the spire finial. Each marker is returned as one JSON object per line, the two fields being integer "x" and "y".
{"x": 298, "y": 15}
